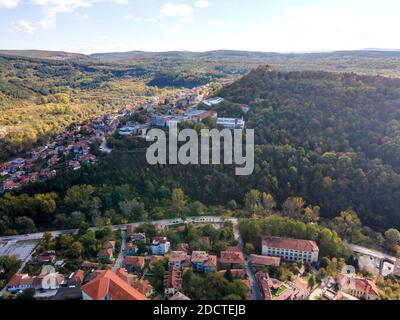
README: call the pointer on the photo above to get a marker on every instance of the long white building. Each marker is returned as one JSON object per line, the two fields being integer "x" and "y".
{"x": 231, "y": 123}
{"x": 290, "y": 249}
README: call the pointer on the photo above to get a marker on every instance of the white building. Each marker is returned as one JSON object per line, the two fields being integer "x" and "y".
{"x": 213, "y": 101}
{"x": 290, "y": 249}
{"x": 231, "y": 123}
{"x": 160, "y": 246}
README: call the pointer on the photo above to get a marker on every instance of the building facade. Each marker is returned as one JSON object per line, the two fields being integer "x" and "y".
{"x": 290, "y": 249}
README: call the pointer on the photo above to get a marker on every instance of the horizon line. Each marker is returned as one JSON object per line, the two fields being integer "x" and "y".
{"x": 205, "y": 51}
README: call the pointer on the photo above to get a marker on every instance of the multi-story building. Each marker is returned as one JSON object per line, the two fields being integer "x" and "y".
{"x": 160, "y": 246}
{"x": 106, "y": 285}
{"x": 358, "y": 287}
{"x": 290, "y": 249}
{"x": 231, "y": 123}
{"x": 232, "y": 258}
{"x": 201, "y": 261}
{"x": 177, "y": 259}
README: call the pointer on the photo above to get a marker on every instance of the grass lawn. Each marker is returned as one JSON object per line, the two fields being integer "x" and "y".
{"x": 277, "y": 292}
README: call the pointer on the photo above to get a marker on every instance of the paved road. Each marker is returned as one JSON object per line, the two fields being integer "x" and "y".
{"x": 255, "y": 288}
{"x": 162, "y": 223}
{"x": 370, "y": 252}
{"x": 120, "y": 259}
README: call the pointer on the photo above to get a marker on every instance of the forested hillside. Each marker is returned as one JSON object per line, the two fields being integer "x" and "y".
{"x": 332, "y": 138}
{"x": 41, "y": 92}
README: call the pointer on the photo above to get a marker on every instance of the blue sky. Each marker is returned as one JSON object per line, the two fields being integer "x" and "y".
{"x": 89, "y": 26}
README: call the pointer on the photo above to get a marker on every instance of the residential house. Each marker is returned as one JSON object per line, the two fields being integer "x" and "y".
{"x": 160, "y": 246}
{"x": 109, "y": 245}
{"x": 232, "y": 258}
{"x": 258, "y": 261}
{"x": 201, "y": 261}
{"x": 76, "y": 278}
{"x": 131, "y": 249}
{"x": 290, "y": 249}
{"x": 361, "y": 288}
{"x": 46, "y": 257}
{"x": 106, "y": 285}
{"x": 177, "y": 259}
{"x": 106, "y": 254}
{"x": 144, "y": 287}
{"x": 19, "y": 282}
{"x": 134, "y": 263}
{"x": 172, "y": 281}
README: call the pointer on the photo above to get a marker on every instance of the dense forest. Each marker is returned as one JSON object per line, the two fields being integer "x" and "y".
{"x": 41, "y": 92}
{"x": 330, "y": 138}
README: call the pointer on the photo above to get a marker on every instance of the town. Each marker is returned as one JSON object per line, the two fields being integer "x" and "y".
{"x": 74, "y": 146}
{"x": 159, "y": 260}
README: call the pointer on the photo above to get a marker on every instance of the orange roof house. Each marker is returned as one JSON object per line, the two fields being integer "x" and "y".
{"x": 258, "y": 261}
{"x": 134, "y": 262}
{"x": 77, "y": 278}
{"x": 106, "y": 285}
{"x": 172, "y": 280}
{"x": 358, "y": 287}
{"x": 203, "y": 262}
{"x": 232, "y": 258}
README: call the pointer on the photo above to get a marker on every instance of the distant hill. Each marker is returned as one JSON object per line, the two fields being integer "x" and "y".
{"x": 42, "y": 54}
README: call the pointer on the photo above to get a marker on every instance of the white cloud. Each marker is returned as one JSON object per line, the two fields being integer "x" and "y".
{"x": 9, "y": 3}
{"x": 216, "y": 22}
{"x": 203, "y": 3}
{"x": 23, "y": 25}
{"x": 176, "y": 10}
{"x": 51, "y": 8}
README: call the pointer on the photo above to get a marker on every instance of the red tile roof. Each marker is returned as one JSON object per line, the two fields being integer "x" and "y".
{"x": 367, "y": 286}
{"x": 257, "y": 260}
{"x": 19, "y": 279}
{"x": 134, "y": 261}
{"x": 177, "y": 256}
{"x": 290, "y": 244}
{"x": 107, "y": 283}
{"x": 182, "y": 247}
{"x": 173, "y": 279}
{"x": 108, "y": 253}
{"x": 232, "y": 256}
{"x": 109, "y": 245}
{"x": 77, "y": 277}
